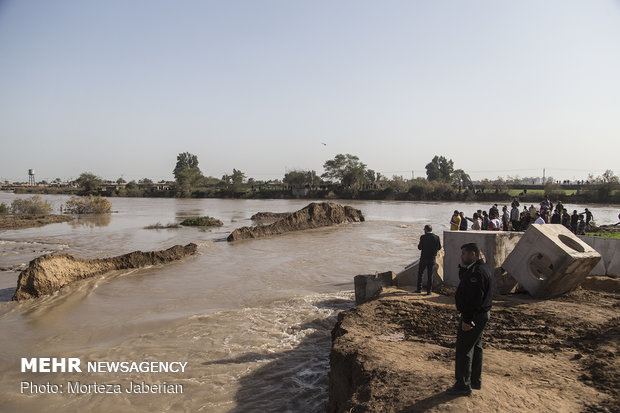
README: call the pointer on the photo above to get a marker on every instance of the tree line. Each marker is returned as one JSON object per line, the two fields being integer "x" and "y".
{"x": 345, "y": 176}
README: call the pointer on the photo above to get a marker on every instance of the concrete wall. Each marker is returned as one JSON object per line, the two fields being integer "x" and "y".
{"x": 409, "y": 276}
{"x": 609, "y": 249}
{"x": 495, "y": 245}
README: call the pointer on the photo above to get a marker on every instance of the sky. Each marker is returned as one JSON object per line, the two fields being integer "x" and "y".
{"x": 119, "y": 88}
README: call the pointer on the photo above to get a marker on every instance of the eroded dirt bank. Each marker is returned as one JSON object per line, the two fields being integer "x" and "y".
{"x": 314, "y": 215}
{"x": 396, "y": 354}
{"x": 49, "y": 273}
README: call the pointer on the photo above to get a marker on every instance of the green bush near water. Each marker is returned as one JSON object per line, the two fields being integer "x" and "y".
{"x": 4, "y": 208}
{"x": 31, "y": 206}
{"x": 202, "y": 222}
{"x": 88, "y": 205}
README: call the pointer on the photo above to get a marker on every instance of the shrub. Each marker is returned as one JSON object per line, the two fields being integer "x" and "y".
{"x": 160, "y": 226}
{"x": 202, "y": 222}
{"x": 32, "y": 206}
{"x": 90, "y": 205}
{"x": 4, "y": 208}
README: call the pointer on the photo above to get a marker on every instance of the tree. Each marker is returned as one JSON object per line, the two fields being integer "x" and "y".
{"x": 371, "y": 176}
{"x": 460, "y": 178}
{"x": 609, "y": 182}
{"x": 235, "y": 180}
{"x": 347, "y": 169}
{"x": 301, "y": 178}
{"x": 440, "y": 169}
{"x": 187, "y": 173}
{"x": 88, "y": 182}
{"x": 608, "y": 177}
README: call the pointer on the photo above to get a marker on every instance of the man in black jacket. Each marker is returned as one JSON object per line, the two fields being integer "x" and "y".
{"x": 429, "y": 244}
{"x": 473, "y": 297}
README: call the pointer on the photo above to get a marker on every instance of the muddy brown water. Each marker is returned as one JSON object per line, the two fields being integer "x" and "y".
{"x": 252, "y": 319}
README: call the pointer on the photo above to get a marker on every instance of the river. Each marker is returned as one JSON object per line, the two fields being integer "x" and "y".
{"x": 252, "y": 319}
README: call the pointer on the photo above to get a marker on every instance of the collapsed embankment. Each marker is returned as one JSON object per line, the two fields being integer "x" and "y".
{"x": 314, "y": 215}
{"x": 396, "y": 354}
{"x": 49, "y": 273}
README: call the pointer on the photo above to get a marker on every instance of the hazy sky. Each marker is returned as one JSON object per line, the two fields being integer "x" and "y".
{"x": 120, "y": 87}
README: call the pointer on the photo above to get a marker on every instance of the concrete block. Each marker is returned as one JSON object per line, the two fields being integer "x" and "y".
{"x": 613, "y": 269}
{"x": 609, "y": 248}
{"x": 369, "y": 286}
{"x": 505, "y": 283}
{"x": 409, "y": 276}
{"x": 495, "y": 247}
{"x": 549, "y": 260}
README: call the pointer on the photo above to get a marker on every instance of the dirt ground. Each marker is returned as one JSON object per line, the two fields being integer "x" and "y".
{"x": 20, "y": 221}
{"x": 396, "y": 354}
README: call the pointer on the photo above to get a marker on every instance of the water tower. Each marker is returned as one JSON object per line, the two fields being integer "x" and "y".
{"x": 31, "y": 180}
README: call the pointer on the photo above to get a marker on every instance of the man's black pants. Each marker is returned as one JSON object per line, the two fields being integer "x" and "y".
{"x": 427, "y": 264}
{"x": 468, "y": 366}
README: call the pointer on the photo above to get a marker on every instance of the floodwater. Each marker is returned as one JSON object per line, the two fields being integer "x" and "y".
{"x": 251, "y": 319}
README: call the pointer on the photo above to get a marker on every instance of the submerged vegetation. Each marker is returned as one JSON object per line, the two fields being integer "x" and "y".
{"x": 32, "y": 206}
{"x": 88, "y": 205}
{"x": 202, "y": 222}
{"x": 160, "y": 226}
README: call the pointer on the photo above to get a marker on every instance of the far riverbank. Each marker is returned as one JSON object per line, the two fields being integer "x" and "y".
{"x": 531, "y": 194}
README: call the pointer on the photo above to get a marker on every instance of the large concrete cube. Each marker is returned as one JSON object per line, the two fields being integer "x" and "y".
{"x": 549, "y": 260}
{"x": 409, "y": 276}
{"x": 495, "y": 247}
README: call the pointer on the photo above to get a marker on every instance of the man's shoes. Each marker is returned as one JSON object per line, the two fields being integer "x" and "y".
{"x": 428, "y": 293}
{"x": 418, "y": 291}
{"x": 458, "y": 391}
{"x": 476, "y": 386}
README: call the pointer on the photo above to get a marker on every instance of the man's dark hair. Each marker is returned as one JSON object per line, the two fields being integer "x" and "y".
{"x": 428, "y": 228}
{"x": 471, "y": 247}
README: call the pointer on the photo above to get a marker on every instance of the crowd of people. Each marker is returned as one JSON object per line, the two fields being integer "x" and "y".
{"x": 516, "y": 219}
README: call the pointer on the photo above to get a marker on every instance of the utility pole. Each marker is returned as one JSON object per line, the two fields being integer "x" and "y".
{"x": 543, "y": 176}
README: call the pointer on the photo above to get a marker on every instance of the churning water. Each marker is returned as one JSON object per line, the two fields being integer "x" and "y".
{"x": 252, "y": 319}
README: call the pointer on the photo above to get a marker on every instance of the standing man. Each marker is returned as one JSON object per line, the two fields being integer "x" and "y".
{"x": 589, "y": 216}
{"x": 539, "y": 219}
{"x": 463, "y": 226}
{"x": 474, "y": 296}
{"x": 514, "y": 218}
{"x": 505, "y": 218}
{"x": 574, "y": 221}
{"x": 429, "y": 245}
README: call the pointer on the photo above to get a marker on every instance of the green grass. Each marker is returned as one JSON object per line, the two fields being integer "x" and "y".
{"x": 614, "y": 235}
{"x": 541, "y": 192}
{"x": 516, "y": 192}
{"x": 202, "y": 222}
